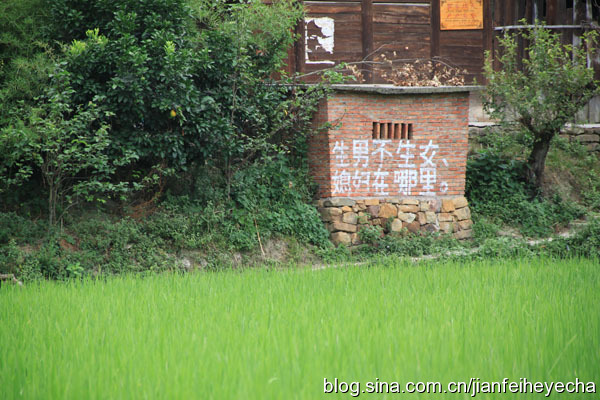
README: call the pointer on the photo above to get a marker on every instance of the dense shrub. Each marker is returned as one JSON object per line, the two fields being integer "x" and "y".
{"x": 495, "y": 188}
{"x": 177, "y": 93}
{"x": 585, "y": 243}
{"x": 26, "y": 59}
{"x": 171, "y": 85}
{"x": 18, "y": 228}
{"x": 408, "y": 244}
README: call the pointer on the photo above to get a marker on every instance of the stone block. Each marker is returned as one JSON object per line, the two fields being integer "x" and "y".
{"x": 354, "y": 238}
{"x": 412, "y": 227}
{"x": 346, "y": 209}
{"x": 350, "y": 218}
{"x": 573, "y": 130}
{"x": 430, "y": 217}
{"x": 465, "y": 224}
{"x": 341, "y": 238}
{"x": 445, "y": 217}
{"x": 430, "y": 228}
{"x": 373, "y": 210}
{"x": 460, "y": 202}
{"x": 592, "y": 146}
{"x": 362, "y": 219}
{"x": 424, "y": 205}
{"x": 387, "y": 211}
{"x": 463, "y": 213}
{"x": 339, "y": 202}
{"x": 371, "y": 202}
{"x": 328, "y": 213}
{"x": 409, "y": 208}
{"x": 448, "y": 206}
{"x": 410, "y": 202}
{"x": 430, "y": 205}
{"x": 396, "y": 225}
{"x": 421, "y": 218}
{"x": 589, "y": 138}
{"x": 407, "y": 217}
{"x": 376, "y": 221}
{"x": 342, "y": 226}
{"x": 465, "y": 234}
{"x": 446, "y": 227}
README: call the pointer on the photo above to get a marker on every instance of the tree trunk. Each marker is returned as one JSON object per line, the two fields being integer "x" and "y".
{"x": 537, "y": 161}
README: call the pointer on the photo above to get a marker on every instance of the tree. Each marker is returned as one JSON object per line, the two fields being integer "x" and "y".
{"x": 542, "y": 93}
{"x": 68, "y": 144}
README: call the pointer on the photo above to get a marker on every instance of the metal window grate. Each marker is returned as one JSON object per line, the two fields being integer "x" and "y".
{"x": 392, "y": 130}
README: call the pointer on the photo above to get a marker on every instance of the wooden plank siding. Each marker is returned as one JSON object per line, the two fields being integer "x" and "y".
{"x": 364, "y": 29}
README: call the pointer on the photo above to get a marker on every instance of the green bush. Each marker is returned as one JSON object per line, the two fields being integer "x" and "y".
{"x": 491, "y": 175}
{"x": 180, "y": 94}
{"x": 17, "y": 228}
{"x": 412, "y": 245}
{"x": 496, "y": 189}
{"x": 26, "y": 59}
{"x": 370, "y": 234}
{"x": 585, "y": 243}
{"x": 68, "y": 144}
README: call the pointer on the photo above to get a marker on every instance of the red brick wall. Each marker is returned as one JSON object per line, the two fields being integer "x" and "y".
{"x": 432, "y": 164}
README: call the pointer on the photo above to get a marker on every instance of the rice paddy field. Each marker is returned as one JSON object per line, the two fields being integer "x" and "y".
{"x": 278, "y": 334}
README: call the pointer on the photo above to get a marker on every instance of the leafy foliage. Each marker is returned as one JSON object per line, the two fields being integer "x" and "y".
{"x": 187, "y": 86}
{"x": 69, "y": 147}
{"x": 26, "y": 59}
{"x": 496, "y": 189}
{"x": 553, "y": 84}
{"x": 179, "y": 94}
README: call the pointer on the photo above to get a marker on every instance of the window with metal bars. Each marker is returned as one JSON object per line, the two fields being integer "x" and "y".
{"x": 392, "y": 130}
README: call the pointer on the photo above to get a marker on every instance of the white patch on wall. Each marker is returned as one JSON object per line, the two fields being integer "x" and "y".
{"x": 323, "y": 41}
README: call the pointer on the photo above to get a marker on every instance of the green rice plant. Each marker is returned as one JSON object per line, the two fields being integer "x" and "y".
{"x": 277, "y": 334}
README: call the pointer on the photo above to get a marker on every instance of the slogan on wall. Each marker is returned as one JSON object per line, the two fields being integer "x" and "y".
{"x": 386, "y": 167}
{"x": 461, "y": 14}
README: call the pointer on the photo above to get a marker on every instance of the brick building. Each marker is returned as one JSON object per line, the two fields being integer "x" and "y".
{"x": 394, "y": 157}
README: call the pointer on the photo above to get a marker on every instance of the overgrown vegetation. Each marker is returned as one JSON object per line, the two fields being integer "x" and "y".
{"x": 540, "y": 94}
{"x": 153, "y": 136}
{"x": 533, "y": 99}
{"x": 147, "y": 101}
{"x": 497, "y": 189}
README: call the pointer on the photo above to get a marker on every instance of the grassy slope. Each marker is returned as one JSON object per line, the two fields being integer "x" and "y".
{"x": 277, "y": 334}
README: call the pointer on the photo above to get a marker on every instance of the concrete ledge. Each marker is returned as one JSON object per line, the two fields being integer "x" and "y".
{"x": 392, "y": 89}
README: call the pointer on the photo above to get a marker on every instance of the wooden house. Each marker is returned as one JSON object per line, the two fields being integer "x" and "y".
{"x": 454, "y": 32}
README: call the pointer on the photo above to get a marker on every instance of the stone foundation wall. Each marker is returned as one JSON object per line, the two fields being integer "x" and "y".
{"x": 345, "y": 217}
{"x": 587, "y": 135}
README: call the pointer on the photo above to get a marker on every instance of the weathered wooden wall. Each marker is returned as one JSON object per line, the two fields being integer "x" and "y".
{"x": 356, "y": 31}
{"x": 364, "y": 29}
{"x": 368, "y": 28}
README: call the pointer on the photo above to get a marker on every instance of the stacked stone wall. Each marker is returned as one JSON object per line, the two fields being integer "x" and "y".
{"x": 587, "y": 135}
{"x": 345, "y": 217}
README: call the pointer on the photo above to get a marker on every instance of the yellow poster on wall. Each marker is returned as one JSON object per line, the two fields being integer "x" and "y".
{"x": 461, "y": 14}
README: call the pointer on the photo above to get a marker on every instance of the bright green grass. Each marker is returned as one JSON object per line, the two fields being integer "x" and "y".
{"x": 263, "y": 334}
